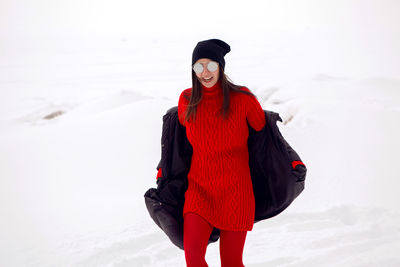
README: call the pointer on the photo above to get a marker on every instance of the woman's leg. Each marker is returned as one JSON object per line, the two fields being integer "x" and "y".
{"x": 231, "y": 247}
{"x": 196, "y": 232}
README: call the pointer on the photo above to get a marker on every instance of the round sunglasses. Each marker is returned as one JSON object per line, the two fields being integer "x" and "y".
{"x": 211, "y": 66}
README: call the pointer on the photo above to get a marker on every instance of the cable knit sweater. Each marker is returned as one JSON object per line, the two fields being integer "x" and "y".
{"x": 219, "y": 183}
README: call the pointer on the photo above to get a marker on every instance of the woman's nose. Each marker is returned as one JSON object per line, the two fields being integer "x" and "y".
{"x": 205, "y": 72}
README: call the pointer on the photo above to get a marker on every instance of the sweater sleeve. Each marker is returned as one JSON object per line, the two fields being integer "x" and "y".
{"x": 182, "y": 104}
{"x": 254, "y": 112}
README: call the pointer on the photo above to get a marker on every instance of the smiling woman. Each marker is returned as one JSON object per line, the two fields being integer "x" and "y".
{"x": 214, "y": 192}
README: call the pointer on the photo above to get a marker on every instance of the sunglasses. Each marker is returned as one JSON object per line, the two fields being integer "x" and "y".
{"x": 211, "y": 66}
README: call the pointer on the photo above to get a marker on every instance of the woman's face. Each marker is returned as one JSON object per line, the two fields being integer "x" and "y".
{"x": 207, "y": 78}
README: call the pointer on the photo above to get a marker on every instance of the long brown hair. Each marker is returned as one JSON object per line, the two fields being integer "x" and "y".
{"x": 197, "y": 94}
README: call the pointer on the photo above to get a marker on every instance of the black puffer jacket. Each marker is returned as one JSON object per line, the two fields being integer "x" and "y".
{"x": 275, "y": 182}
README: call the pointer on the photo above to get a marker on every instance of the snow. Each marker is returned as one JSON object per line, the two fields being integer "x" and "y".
{"x": 71, "y": 187}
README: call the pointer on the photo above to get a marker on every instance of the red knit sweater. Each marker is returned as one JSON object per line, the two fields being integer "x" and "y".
{"x": 219, "y": 183}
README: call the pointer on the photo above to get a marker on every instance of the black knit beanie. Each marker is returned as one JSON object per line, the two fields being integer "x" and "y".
{"x": 214, "y": 49}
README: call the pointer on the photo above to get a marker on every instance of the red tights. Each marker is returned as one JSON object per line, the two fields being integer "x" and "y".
{"x": 196, "y": 232}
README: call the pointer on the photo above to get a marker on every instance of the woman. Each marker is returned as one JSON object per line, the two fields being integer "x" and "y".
{"x": 216, "y": 114}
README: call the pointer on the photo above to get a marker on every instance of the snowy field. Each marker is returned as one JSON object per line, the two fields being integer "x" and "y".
{"x": 80, "y": 133}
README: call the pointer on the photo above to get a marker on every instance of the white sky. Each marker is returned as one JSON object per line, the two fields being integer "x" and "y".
{"x": 129, "y": 16}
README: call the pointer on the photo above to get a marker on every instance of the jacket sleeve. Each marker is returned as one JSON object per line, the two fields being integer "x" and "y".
{"x": 254, "y": 113}
{"x": 299, "y": 168}
{"x": 159, "y": 173}
{"x": 176, "y": 151}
